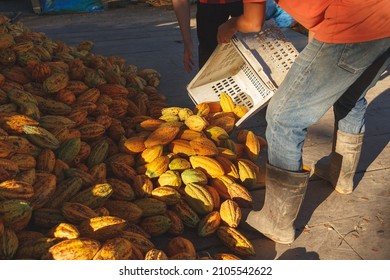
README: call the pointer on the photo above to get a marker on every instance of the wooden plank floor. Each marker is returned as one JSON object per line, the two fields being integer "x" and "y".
{"x": 332, "y": 226}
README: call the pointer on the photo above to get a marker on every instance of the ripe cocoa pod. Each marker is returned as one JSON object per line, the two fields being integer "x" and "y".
{"x": 117, "y": 248}
{"x": 73, "y": 249}
{"x": 102, "y": 228}
{"x": 235, "y": 241}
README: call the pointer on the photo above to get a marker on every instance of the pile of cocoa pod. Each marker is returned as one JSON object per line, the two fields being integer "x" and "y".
{"x": 94, "y": 164}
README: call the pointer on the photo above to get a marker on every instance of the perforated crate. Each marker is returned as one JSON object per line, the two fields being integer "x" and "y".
{"x": 249, "y": 69}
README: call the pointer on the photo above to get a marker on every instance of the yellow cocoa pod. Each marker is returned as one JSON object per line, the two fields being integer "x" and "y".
{"x": 184, "y": 113}
{"x": 155, "y": 254}
{"x": 149, "y": 154}
{"x": 64, "y": 231}
{"x": 179, "y": 164}
{"x": 194, "y": 175}
{"x": 170, "y": 178}
{"x": 229, "y": 189}
{"x": 230, "y": 213}
{"x": 133, "y": 145}
{"x": 173, "y": 111}
{"x": 248, "y": 174}
{"x": 181, "y": 147}
{"x": 149, "y": 124}
{"x": 142, "y": 186}
{"x": 235, "y": 241}
{"x": 168, "y": 119}
{"x": 204, "y": 147}
{"x": 211, "y": 167}
{"x": 209, "y": 224}
{"x": 252, "y": 145}
{"x": 167, "y": 194}
{"x": 228, "y": 166}
{"x": 199, "y": 198}
{"x": 117, "y": 248}
{"x": 217, "y": 134}
{"x": 240, "y": 111}
{"x": 226, "y": 102}
{"x": 73, "y": 249}
{"x": 215, "y": 196}
{"x": 161, "y": 136}
{"x": 189, "y": 134}
{"x": 226, "y": 257}
{"x": 202, "y": 109}
{"x": 195, "y": 122}
{"x": 102, "y": 228}
{"x": 157, "y": 167}
{"x": 227, "y": 153}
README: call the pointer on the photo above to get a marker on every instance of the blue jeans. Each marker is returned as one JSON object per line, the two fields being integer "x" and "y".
{"x": 322, "y": 76}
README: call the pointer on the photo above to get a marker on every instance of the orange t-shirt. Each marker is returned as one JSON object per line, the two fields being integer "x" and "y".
{"x": 341, "y": 21}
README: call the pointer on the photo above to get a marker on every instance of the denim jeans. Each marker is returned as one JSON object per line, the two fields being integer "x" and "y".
{"x": 322, "y": 76}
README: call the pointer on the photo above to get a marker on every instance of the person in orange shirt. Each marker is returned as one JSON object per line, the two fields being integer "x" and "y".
{"x": 348, "y": 51}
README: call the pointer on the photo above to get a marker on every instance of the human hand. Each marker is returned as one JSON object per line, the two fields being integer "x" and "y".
{"x": 188, "y": 59}
{"x": 226, "y": 32}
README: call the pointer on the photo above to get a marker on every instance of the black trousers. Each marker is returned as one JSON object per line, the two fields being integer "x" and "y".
{"x": 208, "y": 18}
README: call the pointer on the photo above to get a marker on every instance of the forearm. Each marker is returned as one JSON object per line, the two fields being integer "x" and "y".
{"x": 182, "y": 11}
{"x": 250, "y": 21}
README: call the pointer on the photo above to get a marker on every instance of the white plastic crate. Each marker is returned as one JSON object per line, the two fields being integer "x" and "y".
{"x": 249, "y": 69}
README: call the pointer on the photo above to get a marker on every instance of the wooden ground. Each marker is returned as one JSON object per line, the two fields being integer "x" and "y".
{"x": 332, "y": 226}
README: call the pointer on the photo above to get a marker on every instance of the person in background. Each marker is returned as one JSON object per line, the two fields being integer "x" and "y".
{"x": 347, "y": 53}
{"x": 209, "y": 15}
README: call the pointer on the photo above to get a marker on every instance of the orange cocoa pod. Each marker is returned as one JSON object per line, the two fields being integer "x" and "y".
{"x": 65, "y": 96}
{"x": 180, "y": 244}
